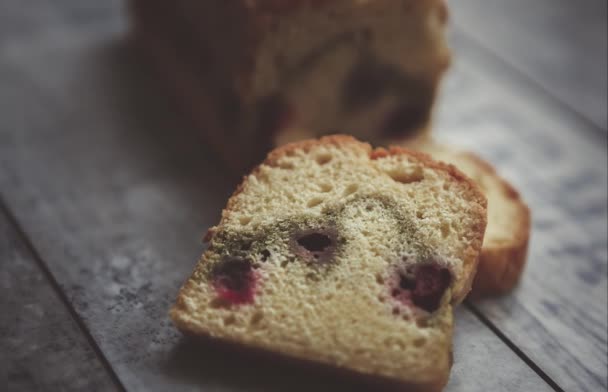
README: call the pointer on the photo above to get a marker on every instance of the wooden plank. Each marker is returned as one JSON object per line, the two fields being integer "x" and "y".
{"x": 558, "y": 315}
{"x": 42, "y": 347}
{"x": 116, "y": 193}
{"x": 482, "y": 364}
{"x": 561, "y": 45}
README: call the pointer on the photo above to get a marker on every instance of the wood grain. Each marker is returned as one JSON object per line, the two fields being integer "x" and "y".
{"x": 116, "y": 193}
{"x": 560, "y": 45}
{"x": 42, "y": 347}
{"x": 558, "y": 315}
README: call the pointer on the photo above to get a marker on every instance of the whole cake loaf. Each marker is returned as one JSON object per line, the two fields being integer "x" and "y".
{"x": 261, "y": 71}
{"x": 341, "y": 255}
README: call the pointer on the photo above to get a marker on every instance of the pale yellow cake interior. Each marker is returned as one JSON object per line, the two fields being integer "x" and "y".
{"x": 387, "y": 211}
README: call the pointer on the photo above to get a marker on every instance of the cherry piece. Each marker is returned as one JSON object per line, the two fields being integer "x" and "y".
{"x": 425, "y": 287}
{"x": 234, "y": 280}
{"x": 431, "y": 282}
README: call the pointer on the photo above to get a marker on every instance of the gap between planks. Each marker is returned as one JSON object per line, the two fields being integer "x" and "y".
{"x": 12, "y": 221}
{"x": 496, "y": 331}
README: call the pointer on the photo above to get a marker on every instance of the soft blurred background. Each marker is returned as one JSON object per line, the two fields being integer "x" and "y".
{"x": 106, "y": 191}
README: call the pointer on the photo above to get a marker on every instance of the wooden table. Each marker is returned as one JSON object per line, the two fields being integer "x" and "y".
{"x": 105, "y": 194}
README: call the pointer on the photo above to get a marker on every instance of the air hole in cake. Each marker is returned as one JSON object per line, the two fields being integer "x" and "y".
{"x": 265, "y": 255}
{"x": 315, "y": 201}
{"x": 394, "y": 343}
{"x": 315, "y": 242}
{"x": 286, "y": 165}
{"x": 218, "y": 303}
{"x": 424, "y": 287}
{"x": 234, "y": 280}
{"x": 312, "y": 276}
{"x": 316, "y": 246}
{"x": 323, "y": 159}
{"x": 445, "y": 229}
{"x": 229, "y": 320}
{"x": 350, "y": 189}
{"x": 406, "y": 176}
{"x": 256, "y": 318}
{"x": 419, "y": 342}
{"x": 422, "y": 322}
{"x": 244, "y": 220}
{"x": 326, "y": 188}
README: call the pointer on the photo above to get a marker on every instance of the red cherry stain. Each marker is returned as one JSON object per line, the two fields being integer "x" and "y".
{"x": 425, "y": 287}
{"x": 234, "y": 280}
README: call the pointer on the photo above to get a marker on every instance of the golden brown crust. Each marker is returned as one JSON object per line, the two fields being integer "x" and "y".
{"x": 307, "y": 145}
{"x": 499, "y": 269}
